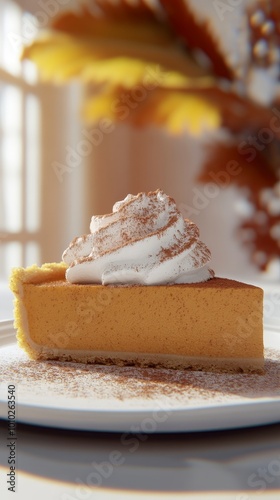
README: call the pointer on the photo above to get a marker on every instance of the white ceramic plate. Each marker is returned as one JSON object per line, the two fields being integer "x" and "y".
{"x": 128, "y": 399}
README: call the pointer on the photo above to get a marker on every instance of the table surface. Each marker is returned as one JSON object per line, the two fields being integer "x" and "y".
{"x": 65, "y": 464}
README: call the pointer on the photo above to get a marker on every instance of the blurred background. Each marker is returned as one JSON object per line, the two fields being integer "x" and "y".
{"x": 112, "y": 98}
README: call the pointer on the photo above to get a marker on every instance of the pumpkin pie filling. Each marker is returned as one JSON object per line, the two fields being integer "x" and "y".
{"x": 215, "y": 325}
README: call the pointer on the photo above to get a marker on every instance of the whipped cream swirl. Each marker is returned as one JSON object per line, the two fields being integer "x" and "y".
{"x": 144, "y": 241}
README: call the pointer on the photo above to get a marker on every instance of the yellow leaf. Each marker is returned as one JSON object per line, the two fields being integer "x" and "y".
{"x": 179, "y": 111}
{"x": 99, "y": 106}
{"x": 123, "y": 40}
{"x": 128, "y": 73}
{"x": 60, "y": 58}
{"x": 123, "y": 71}
{"x": 176, "y": 111}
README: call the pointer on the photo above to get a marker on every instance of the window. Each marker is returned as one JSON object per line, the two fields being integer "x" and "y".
{"x": 20, "y": 149}
{"x": 39, "y": 213}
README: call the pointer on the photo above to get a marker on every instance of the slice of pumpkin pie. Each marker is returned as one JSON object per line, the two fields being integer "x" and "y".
{"x": 138, "y": 291}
